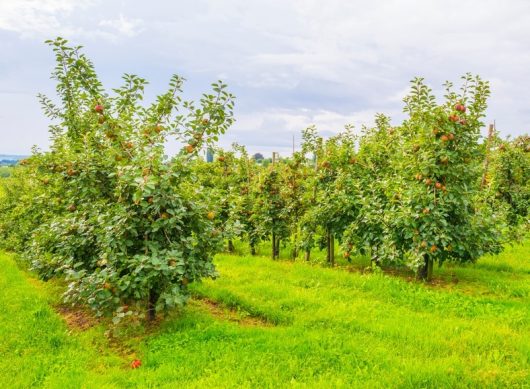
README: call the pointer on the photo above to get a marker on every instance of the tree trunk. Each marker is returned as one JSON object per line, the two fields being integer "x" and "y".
{"x": 294, "y": 252}
{"x": 151, "y": 305}
{"x": 252, "y": 249}
{"x": 273, "y": 245}
{"x": 425, "y": 271}
{"x": 375, "y": 260}
{"x": 328, "y": 247}
{"x": 430, "y": 267}
{"x": 332, "y": 249}
{"x": 328, "y": 256}
{"x": 278, "y": 248}
{"x": 230, "y": 246}
{"x": 307, "y": 254}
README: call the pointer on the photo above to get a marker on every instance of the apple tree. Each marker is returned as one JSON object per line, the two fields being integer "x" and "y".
{"x": 508, "y": 181}
{"x": 375, "y": 186}
{"x": 125, "y": 225}
{"x": 333, "y": 205}
{"x": 441, "y": 216}
{"x": 270, "y": 212}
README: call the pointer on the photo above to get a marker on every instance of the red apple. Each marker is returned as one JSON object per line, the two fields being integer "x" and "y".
{"x": 460, "y": 108}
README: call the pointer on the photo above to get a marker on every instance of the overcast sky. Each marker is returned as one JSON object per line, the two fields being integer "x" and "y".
{"x": 290, "y": 63}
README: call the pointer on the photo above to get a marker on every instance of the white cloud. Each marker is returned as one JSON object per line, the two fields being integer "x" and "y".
{"x": 32, "y": 18}
{"x": 43, "y": 19}
{"x": 290, "y": 63}
{"x": 273, "y": 129}
{"x": 124, "y": 26}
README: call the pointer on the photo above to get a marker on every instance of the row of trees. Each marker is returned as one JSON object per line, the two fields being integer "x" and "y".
{"x": 425, "y": 192}
{"x": 130, "y": 228}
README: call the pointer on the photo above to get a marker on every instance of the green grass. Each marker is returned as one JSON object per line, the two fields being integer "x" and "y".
{"x": 36, "y": 349}
{"x": 315, "y": 327}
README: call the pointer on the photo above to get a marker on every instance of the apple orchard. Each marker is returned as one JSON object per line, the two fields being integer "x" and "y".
{"x": 129, "y": 228}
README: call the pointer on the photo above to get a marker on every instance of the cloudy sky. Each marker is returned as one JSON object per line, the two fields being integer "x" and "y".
{"x": 291, "y": 63}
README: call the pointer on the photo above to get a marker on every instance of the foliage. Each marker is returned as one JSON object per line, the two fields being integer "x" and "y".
{"x": 130, "y": 227}
{"x": 19, "y": 214}
{"x": 376, "y": 188}
{"x": 229, "y": 184}
{"x": 5, "y": 171}
{"x": 333, "y": 202}
{"x": 508, "y": 180}
{"x": 270, "y": 210}
{"x": 441, "y": 215}
{"x": 408, "y": 194}
{"x": 125, "y": 225}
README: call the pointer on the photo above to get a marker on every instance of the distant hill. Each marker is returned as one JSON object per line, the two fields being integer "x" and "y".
{"x": 6, "y": 159}
{"x": 9, "y": 157}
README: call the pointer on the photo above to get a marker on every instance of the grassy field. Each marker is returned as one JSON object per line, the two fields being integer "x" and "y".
{"x": 270, "y": 324}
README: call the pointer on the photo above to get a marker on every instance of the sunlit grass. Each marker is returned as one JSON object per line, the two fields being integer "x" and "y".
{"x": 320, "y": 327}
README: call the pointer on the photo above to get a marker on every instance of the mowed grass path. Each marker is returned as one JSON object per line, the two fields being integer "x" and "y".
{"x": 271, "y": 324}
